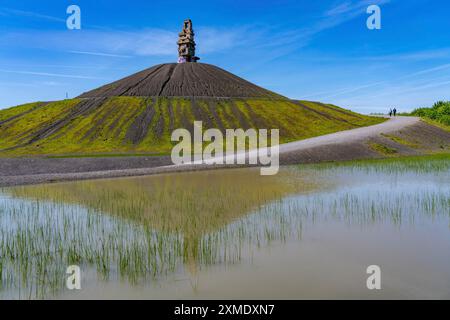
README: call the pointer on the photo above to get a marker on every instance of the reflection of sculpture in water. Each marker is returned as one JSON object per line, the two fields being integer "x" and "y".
{"x": 186, "y": 44}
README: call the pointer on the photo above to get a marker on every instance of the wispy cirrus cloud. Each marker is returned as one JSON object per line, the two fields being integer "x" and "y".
{"x": 350, "y": 8}
{"x": 411, "y": 56}
{"x": 102, "y": 54}
{"x": 411, "y": 82}
{"x": 101, "y": 41}
{"x": 289, "y": 41}
{"x": 30, "y": 14}
{"x": 428, "y": 70}
{"x": 47, "y": 74}
{"x": 51, "y": 83}
{"x": 411, "y": 94}
{"x": 160, "y": 42}
{"x": 327, "y": 95}
{"x": 121, "y": 44}
{"x": 345, "y": 11}
{"x": 339, "y": 9}
{"x": 418, "y": 55}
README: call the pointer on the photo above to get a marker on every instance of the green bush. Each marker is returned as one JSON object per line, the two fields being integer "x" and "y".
{"x": 439, "y": 112}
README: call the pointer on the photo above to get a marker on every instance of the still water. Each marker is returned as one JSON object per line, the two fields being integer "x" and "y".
{"x": 309, "y": 232}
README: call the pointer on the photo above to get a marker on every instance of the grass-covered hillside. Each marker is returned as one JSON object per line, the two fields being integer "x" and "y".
{"x": 144, "y": 125}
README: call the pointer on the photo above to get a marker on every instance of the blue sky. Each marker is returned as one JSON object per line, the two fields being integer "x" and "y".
{"x": 313, "y": 50}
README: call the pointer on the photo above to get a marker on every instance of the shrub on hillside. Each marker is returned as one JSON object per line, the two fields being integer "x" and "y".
{"x": 440, "y": 112}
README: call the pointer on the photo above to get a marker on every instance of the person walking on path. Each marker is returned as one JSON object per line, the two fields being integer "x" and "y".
{"x": 395, "y": 112}
{"x": 390, "y": 113}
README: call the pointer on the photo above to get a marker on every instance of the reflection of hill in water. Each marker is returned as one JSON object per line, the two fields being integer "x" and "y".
{"x": 138, "y": 227}
{"x": 188, "y": 203}
{"x": 153, "y": 226}
{"x": 172, "y": 217}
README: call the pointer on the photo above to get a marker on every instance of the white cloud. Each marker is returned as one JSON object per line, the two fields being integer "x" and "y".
{"x": 47, "y": 74}
{"x": 30, "y": 14}
{"x": 102, "y": 54}
{"x": 159, "y": 42}
{"x": 51, "y": 83}
{"x": 149, "y": 42}
{"x": 341, "y": 8}
{"x": 290, "y": 41}
{"x": 353, "y": 7}
{"x": 408, "y": 83}
{"x": 327, "y": 95}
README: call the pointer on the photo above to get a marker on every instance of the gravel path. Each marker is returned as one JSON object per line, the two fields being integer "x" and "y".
{"x": 42, "y": 170}
{"x": 338, "y": 138}
{"x": 349, "y": 136}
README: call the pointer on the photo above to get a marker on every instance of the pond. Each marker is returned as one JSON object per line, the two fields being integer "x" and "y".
{"x": 309, "y": 232}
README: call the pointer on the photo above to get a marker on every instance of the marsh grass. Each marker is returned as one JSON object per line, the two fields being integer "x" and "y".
{"x": 423, "y": 164}
{"x": 143, "y": 229}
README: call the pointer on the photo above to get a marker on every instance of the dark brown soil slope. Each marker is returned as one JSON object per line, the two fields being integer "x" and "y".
{"x": 182, "y": 80}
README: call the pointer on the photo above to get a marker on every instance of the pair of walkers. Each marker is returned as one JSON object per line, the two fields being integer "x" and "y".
{"x": 392, "y": 112}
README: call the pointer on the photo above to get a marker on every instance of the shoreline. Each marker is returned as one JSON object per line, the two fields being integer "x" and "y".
{"x": 340, "y": 146}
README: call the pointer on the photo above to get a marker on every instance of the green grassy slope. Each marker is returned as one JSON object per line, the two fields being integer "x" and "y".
{"x": 138, "y": 124}
{"x": 15, "y": 112}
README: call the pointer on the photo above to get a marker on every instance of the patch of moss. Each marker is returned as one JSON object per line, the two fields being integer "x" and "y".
{"x": 6, "y": 114}
{"x": 382, "y": 149}
{"x": 401, "y": 141}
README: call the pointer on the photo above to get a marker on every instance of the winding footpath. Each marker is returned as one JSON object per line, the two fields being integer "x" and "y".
{"x": 348, "y": 136}
{"x": 10, "y": 178}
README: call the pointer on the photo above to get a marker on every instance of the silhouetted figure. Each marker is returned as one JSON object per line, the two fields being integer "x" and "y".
{"x": 390, "y": 113}
{"x": 395, "y": 112}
